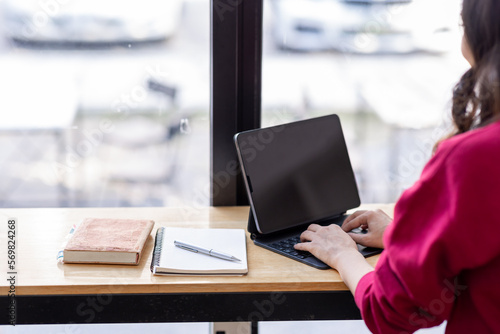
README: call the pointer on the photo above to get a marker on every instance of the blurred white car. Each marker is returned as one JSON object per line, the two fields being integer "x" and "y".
{"x": 365, "y": 26}
{"x": 90, "y": 21}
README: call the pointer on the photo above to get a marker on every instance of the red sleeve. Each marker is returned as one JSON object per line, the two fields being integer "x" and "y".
{"x": 430, "y": 240}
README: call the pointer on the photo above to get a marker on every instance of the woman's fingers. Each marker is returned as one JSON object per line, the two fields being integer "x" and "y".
{"x": 303, "y": 246}
{"x": 325, "y": 242}
{"x": 357, "y": 219}
{"x": 354, "y": 215}
{"x": 306, "y": 235}
{"x": 313, "y": 227}
{"x": 358, "y": 238}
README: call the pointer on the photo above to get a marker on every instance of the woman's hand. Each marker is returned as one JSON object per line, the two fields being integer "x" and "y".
{"x": 373, "y": 225}
{"x": 327, "y": 243}
{"x": 336, "y": 248}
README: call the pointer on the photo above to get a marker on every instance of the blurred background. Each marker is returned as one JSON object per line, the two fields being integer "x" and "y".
{"x": 106, "y": 103}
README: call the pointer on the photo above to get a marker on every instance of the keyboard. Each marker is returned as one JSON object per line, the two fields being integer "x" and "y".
{"x": 286, "y": 246}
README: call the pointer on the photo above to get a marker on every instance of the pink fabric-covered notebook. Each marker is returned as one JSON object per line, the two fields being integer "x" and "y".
{"x": 112, "y": 241}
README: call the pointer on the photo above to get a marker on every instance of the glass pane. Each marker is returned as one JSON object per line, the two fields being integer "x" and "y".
{"x": 105, "y": 103}
{"x": 387, "y": 68}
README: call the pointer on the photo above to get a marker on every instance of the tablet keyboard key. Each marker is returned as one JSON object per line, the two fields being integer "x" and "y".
{"x": 287, "y": 246}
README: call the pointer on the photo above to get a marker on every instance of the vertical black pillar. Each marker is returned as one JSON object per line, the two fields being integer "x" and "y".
{"x": 236, "y": 63}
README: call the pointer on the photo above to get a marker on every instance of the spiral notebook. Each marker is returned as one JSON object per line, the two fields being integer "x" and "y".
{"x": 171, "y": 260}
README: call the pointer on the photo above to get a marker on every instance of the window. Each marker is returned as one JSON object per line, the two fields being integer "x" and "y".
{"x": 106, "y": 103}
{"x": 386, "y": 67}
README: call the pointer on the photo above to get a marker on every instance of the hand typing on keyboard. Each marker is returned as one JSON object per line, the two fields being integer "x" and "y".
{"x": 327, "y": 243}
{"x": 287, "y": 246}
{"x": 372, "y": 225}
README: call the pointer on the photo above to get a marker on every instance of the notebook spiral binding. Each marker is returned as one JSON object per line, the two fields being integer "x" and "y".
{"x": 155, "y": 261}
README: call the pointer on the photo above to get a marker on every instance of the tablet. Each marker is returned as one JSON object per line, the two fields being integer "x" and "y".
{"x": 297, "y": 173}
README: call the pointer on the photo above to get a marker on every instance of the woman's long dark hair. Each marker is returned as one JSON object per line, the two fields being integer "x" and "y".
{"x": 476, "y": 97}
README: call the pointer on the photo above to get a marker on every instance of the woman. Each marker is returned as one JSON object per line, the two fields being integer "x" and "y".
{"x": 442, "y": 250}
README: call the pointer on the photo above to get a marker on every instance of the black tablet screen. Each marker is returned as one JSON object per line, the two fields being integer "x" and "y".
{"x": 297, "y": 173}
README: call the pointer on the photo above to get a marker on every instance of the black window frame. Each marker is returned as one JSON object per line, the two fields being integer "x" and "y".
{"x": 235, "y": 93}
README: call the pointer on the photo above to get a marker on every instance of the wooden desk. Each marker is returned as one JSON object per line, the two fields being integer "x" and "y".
{"x": 276, "y": 288}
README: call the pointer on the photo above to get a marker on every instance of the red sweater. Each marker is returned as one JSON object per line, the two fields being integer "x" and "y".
{"x": 442, "y": 255}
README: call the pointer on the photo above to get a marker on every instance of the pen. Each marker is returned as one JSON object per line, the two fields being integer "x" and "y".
{"x": 211, "y": 252}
